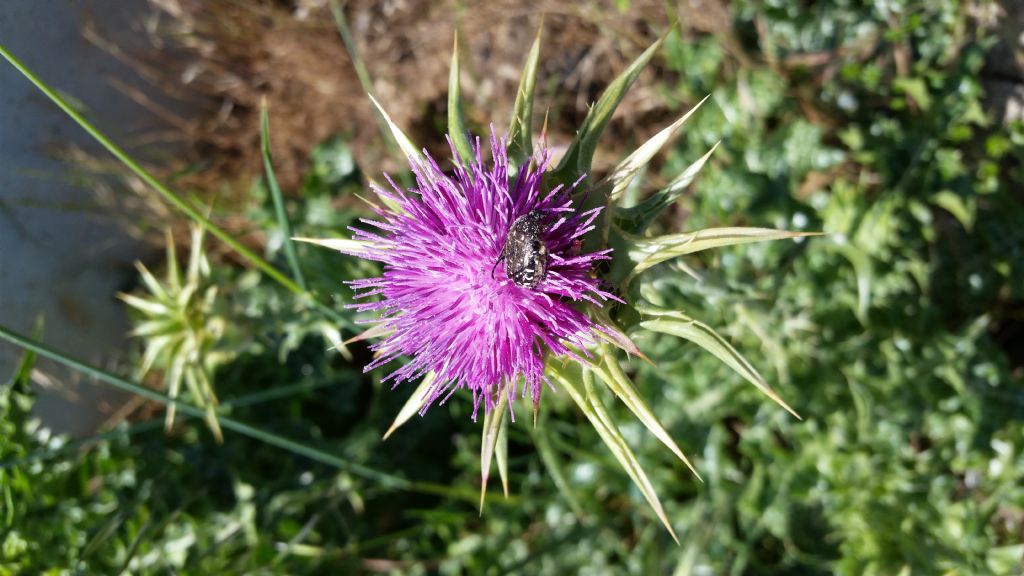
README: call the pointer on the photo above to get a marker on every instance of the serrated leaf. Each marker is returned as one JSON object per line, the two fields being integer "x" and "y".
{"x": 413, "y": 405}
{"x": 636, "y": 219}
{"x": 680, "y": 325}
{"x": 592, "y": 407}
{"x": 623, "y": 174}
{"x": 647, "y": 252}
{"x": 520, "y": 135}
{"x": 404, "y": 142}
{"x": 613, "y": 376}
{"x": 457, "y": 130}
{"x": 580, "y": 155}
{"x": 489, "y": 443}
{"x": 343, "y": 245}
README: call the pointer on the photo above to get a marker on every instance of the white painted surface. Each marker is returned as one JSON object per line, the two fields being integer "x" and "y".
{"x": 59, "y": 260}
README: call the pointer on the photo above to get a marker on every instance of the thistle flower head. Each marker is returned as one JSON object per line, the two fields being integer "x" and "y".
{"x": 485, "y": 274}
{"x": 447, "y": 294}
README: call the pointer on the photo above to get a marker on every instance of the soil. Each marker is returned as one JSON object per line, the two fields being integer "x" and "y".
{"x": 225, "y": 56}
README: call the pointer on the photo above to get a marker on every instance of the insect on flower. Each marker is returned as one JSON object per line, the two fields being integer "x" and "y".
{"x": 445, "y": 311}
{"x": 524, "y": 253}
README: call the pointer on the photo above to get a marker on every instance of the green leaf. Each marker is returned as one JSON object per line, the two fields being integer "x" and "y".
{"x": 636, "y": 219}
{"x": 278, "y": 198}
{"x": 152, "y": 284}
{"x": 457, "y": 130}
{"x": 151, "y": 307}
{"x": 404, "y": 142}
{"x": 501, "y": 455}
{"x": 610, "y": 332}
{"x": 174, "y": 378}
{"x": 580, "y": 155}
{"x": 682, "y": 326}
{"x": 520, "y": 136}
{"x": 21, "y": 380}
{"x": 624, "y": 173}
{"x": 955, "y": 205}
{"x": 413, "y": 405}
{"x": 489, "y": 443}
{"x": 613, "y": 376}
{"x": 650, "y": 251}
{"x": 863, "y": 269}
{"x": 1005, "y": 559}
{"x": 173, "y": 272}
{"x": 916, "y": 89}
{"x": 592, "y": 407}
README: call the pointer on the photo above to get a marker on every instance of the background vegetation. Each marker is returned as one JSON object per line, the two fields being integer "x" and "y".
{"x": 898, "y": 338}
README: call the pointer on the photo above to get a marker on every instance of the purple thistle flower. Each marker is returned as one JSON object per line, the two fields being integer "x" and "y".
{"x": 441, "y": 303}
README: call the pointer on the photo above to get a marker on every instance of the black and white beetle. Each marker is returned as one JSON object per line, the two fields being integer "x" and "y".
{"x": 525, "y": 256}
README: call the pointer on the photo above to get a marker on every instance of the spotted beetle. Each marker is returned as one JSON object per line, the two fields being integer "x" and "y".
{"x": 525, "y": 256}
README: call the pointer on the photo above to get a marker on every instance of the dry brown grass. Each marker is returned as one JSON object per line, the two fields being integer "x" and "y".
{"x": 223, "y": 56}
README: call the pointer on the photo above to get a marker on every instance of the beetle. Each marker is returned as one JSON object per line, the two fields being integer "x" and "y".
{"x": 525, "y": 255}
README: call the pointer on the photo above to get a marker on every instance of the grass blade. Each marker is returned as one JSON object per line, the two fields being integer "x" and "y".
{"x": 168, "y": 195}
{"x": 520, "y": 135}
{"x": 341, "y": 23}
{"x": 275, "y": 193}
{"x": 150, "y": 425}
{"x": 457, "y": 130}
{"x": 148, "y": 178}
{"x": 383, "y": 478}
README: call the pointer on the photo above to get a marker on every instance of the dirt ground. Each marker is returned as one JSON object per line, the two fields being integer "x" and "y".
{"x": 223, "y": 56}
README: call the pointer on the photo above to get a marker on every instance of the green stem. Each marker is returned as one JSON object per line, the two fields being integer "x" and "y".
{"x": 386, "y": 480}
{"x": 166, "y": 193}
{"x": 246, "y": 400}
{"x": 275, "y": 193}
{"x": 364, "y": 80}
